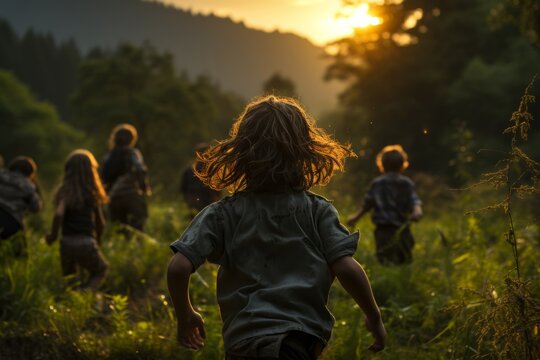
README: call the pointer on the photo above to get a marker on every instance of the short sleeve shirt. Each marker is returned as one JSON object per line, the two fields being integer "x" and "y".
{"x": 18, "y": 195}
{"x": 274, "y": 252}
{"x": 392, "y": 197}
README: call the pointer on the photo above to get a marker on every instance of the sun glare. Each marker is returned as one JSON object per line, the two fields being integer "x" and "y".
{"x": 356, "y": 18}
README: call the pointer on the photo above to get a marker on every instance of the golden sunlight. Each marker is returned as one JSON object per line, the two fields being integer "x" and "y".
{"x": 352, "y": 18}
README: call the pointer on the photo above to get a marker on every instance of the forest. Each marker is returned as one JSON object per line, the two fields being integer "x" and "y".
{"x": 453, "y": 82}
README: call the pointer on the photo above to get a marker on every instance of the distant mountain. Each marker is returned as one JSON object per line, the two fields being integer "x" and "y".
{"x": 236, "y": 57}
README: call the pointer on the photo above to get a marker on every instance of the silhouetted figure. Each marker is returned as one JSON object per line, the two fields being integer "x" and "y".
{"x": 124, "y": 176}
{"x": 19, "y": 193}
{"x": 278, "y": 245}
{"x": 78, "y": 212}
{"x": 195, "y": 193}
{"x": 392, "y": 197}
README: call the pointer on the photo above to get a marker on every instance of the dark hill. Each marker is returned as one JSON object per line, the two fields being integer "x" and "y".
{"x": 237, "y": 57}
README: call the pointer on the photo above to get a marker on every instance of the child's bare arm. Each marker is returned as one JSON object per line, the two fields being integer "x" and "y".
{"x": 352, "y": 277}
{"x": 191, "y": 332}
{"x": 100, "y": 222}
{"x": 354, "y": 219}
{"x": 56, "y": 223}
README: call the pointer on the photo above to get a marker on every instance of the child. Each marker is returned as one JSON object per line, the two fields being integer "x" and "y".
{"x": 196, "y": 194}
{"x": 124, "y": 175}
{"x": 78, "y": 202}
{"x": 278, "y": 245}
{"x": 393, "y": 199}
{"x": 19, "y": 193}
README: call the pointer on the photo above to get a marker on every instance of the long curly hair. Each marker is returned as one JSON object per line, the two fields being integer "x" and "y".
{"x": 273, "y": 144}
{"x": 81, "y": 184}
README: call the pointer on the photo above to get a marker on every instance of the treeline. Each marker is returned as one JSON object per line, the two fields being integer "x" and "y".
{"x": 440, "y": 77}
{"x": 98, "y": 90}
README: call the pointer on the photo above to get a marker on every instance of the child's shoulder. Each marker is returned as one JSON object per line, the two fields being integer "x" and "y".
{"x": 317, "y": 198}
{"x": 17, "y": 181}
{"x": 393, "y": 177}
{"x": 298, "y": 198}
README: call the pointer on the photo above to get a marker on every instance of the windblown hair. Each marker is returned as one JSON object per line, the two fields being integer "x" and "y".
{"x": 81, "y": 184}
{"x": 123, "y": 136}
{"x": 392, "y": 158}
{"x": 23, "y": 165}
{"x": 273, "y": 145}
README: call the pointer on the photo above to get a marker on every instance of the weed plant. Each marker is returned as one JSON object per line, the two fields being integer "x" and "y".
{"x": 506, "y": 325}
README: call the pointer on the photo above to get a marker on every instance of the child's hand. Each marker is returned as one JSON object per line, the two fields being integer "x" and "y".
{"x": 379, "y": 333}
{"x": 191, "y": 332}
{"x": 417, "y": 213}
{"x": 49, "y": 238}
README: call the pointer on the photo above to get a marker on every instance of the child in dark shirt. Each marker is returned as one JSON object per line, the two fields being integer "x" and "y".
{"x": 392, "y": 197}
{"x": 124, "y": 175}
{"x": 19, "y": 193}
{"x": 78, "y": 211}
{"x": 278, "y": 245}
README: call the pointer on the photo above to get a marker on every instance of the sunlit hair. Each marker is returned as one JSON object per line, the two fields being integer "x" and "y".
{"x": 272, "y": 145}
{"x": 392, "y": 158}
{"x": 122, "y": 136}
{"x": 81, "y": 184}
{"x": 23, "y": 165}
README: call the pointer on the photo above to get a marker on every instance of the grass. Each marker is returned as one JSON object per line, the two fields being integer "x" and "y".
{"x": 457, "y": 260}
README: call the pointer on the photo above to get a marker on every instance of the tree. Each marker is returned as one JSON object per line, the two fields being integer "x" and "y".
{"x": 523, "y": 13}
{"x": 280, "y": 85}
{"x": 49, "y": 68}
{"x": 138, "y": 85}
{"x": 430, "y": 70}
{"x": 32, "y": 128}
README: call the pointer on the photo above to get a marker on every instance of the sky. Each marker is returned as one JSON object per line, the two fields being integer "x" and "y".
{"x": 312, "y": 19}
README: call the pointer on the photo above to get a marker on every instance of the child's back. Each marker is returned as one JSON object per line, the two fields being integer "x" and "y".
{"x": 124, "y": 175}
{"x": 392, "y": 197}
{"x": 274, "y": 250}
{"x": 18, "y": 194}
{"x": 278, "y": 246}
{"x": 78, "y": 213}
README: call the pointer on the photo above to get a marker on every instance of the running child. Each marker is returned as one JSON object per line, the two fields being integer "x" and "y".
{"x": 78, "y": 212}
{"x": 19, "y": 194}
{"x": 279, "y": 246}
{"x": 393, "y": 199}
{"x": 124, "y": 175}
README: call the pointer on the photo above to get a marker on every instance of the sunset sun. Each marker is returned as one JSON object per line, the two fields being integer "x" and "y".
{"x": 355, "y": 18}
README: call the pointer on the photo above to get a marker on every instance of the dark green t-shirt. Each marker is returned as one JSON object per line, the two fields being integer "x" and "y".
{"x": 274, "y": 252}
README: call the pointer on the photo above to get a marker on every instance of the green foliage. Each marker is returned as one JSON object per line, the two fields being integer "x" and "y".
{"x": 523, "y": 13}
{"x": 34, "y": 128}
{"x": 413, "y": 82}
{"x": 507, "y": 325}
{"x": 133, "y": 319}
{"x": 138, "y": 85}
{"x": 280, "y": 85}
{"x": 48, "y": 67}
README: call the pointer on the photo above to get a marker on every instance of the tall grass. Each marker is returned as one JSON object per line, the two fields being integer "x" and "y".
{"x": 506, "y": 322}
{"x": 428, "y": 311}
